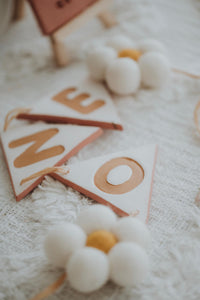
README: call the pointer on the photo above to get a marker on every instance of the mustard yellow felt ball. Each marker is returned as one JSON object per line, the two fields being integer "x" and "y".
{"x": 102, "y": 240}
{"x": 131, "y": 53}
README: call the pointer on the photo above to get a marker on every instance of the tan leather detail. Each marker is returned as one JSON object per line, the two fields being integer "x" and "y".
{"x": 13, "y": 114}
{"x": 51, "y": 288}
{"x": 46, "y": 171}
{"x": 134, "y": 213}
{"x": 100, "y": 178}
{"x": 31, "y": 155}
{"x": 76, "y": 102}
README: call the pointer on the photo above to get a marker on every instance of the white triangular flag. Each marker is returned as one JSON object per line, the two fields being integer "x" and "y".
{"x": 120, "y": 180}
{"x": 82, "y": 102}
{"x": 29, "y": 149}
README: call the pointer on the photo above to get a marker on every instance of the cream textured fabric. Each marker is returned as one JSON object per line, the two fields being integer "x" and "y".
{"x": 151, "y": 116}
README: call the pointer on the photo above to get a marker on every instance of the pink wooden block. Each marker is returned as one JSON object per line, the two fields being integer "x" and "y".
{"x": 52, "y": 14}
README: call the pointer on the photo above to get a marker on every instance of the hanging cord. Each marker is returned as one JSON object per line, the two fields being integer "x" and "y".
{"x": 46, "y": 171}
{"x": 186, "y": 73}
{"x": 196, "y": 116}
{"x": 13, "y": 114}
{"x": 196, "y": 121}
{"x": 51, "y": 288}
{"x": 134, "y": 213}
{"x": 197, "y": 198}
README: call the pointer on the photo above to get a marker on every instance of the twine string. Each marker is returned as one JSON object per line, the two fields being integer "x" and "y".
{"x": 196, "y": 121}
{"x": 46, "y": 171}
{"x": 196, "y": 116}
{"x": 13, "y": 114}
{"x": 51, "y": 288}
{"x": 186, "y": 73}
{"x": 134, "y": 213}
{"x": 197, "y": 198}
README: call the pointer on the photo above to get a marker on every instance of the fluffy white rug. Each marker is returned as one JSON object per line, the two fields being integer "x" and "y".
{"x": 151, "y": 116}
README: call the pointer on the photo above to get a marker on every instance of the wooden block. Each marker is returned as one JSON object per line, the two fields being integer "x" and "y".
{"x": 83, "y": 102}
{"x": 53, "y": 14}
{"x": 31, "y": 148}
{"x": 107, "y": 19}
{"x": 19, "y": 9}
{"x": 60, "y": 51}
{"x": 94, "y": 10}
{"x": 58, "y": 18}
{"x": 120, "y": 180}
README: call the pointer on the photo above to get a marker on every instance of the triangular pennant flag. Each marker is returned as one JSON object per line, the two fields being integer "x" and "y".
{"x": 120, "y": 180}
{"x": 30, "y": 148}
{"x": 82, "y": 102}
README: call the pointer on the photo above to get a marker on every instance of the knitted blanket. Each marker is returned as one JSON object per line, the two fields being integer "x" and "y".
{"x": 162, "y": 116}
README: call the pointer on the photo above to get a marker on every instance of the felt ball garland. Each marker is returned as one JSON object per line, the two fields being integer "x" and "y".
{"x": 120, "y": 42}
{"x": 155, "y": 69}
{"x": 97, "y": 61}
{"x": 125, "y": 67}
{"x": 123, "y": 76}
{"x": 102, "y": 240}
{"x": 98, "y": 248}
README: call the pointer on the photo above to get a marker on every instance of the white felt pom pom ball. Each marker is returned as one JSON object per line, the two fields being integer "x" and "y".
{"x": 96, "y": 217}
{"x": 133, "y": 230}
{"x": 128, "y": 264}
{"x": 120, "y": 42}
{"x": 97, "y": 61}
{"x": 155, "y": 69}
{"x": 88, "y": 270}
{"x": 149, "y": 45}
{"x": 62, "y": 241}
{"x": 123, "y": 76}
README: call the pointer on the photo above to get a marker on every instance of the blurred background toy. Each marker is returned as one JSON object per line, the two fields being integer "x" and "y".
{"x": 10, "y": 10}
{"x": 126, "y": 66}
{"x": 59, "y": 18}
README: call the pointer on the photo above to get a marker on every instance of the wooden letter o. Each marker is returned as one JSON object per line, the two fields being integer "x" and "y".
{"x": 100, "y": 178}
